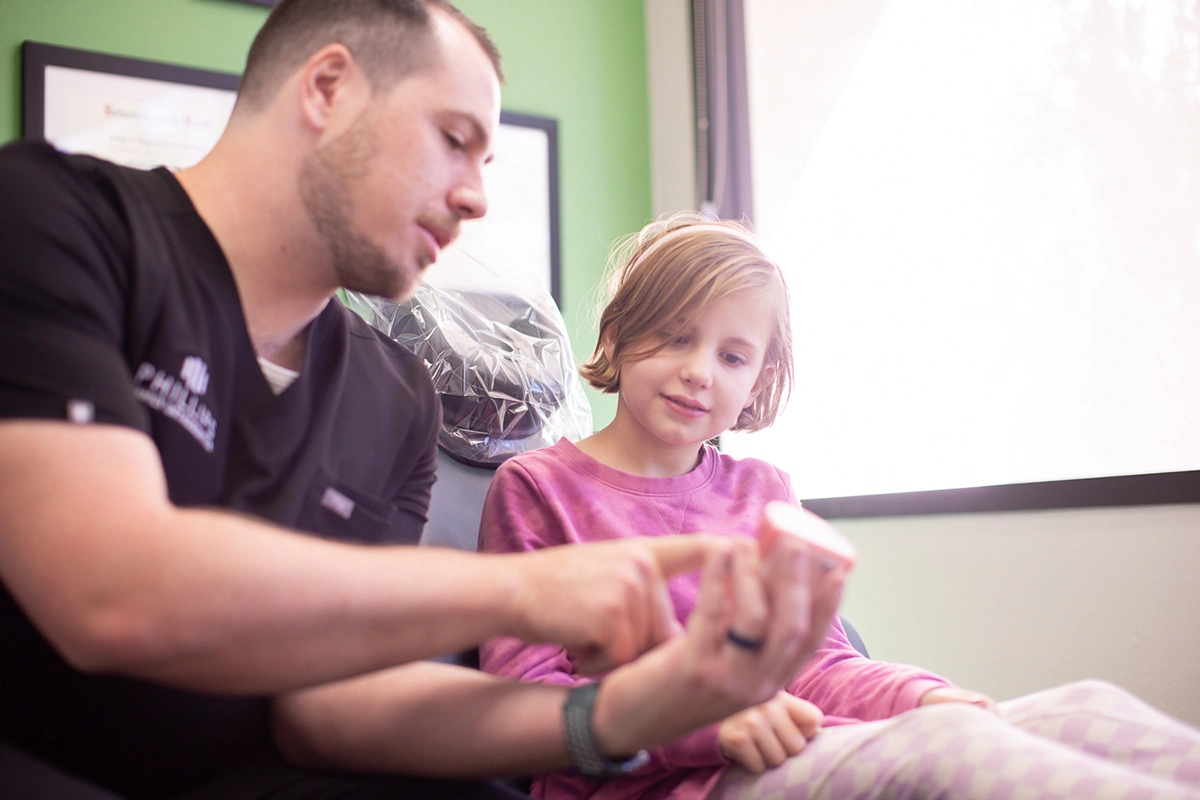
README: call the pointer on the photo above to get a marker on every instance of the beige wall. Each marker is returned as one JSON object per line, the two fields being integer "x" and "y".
{"x": 1003, "y": 603}
{"x": 1011, "y": 603}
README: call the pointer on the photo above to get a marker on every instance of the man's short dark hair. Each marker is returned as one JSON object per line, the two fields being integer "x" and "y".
{"x": 389, "y": 38}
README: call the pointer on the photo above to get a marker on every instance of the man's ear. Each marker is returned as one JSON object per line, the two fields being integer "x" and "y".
{"x": 765, "y": 378}
{"x": 329, "y": 81}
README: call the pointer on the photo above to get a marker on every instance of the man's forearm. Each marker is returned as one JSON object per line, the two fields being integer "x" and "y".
{"x": 442, "y": 721}
{"x": 214, "y": 601}
{"x": 119, "y": 580}
{"x": 426, "y": 719}
{"x": 271, "y": 610}
{"x": 437, "y": 720}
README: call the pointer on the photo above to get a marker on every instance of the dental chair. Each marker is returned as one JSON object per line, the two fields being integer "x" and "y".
{"x": 502, "y": 365}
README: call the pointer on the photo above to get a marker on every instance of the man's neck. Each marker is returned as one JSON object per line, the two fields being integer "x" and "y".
{"x": 258, "y": 220}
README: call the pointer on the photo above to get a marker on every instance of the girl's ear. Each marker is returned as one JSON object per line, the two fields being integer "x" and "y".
{"x": 606, "y": 343}
{"x": 765, "y": 378}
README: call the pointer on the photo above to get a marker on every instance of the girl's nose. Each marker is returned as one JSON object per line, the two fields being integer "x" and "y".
{"x": 697, "y": 371}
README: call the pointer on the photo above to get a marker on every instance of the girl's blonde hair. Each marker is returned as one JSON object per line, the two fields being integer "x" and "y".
{"x": 671, "y": 271}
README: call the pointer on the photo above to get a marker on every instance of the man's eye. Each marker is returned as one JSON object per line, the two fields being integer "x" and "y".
{"x": 454, "y": 141}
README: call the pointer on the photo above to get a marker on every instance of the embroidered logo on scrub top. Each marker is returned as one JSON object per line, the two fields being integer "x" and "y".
{"x": 195, "y": 374}
{"x": 178, "y": 398}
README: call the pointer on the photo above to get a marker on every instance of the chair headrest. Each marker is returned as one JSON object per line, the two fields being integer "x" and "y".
{"x": 501, "y": 364}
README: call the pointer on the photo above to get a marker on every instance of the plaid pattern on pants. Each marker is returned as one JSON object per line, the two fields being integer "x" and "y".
{"x": 1084, "y": 740}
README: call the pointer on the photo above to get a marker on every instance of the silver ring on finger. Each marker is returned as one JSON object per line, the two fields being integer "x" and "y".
{"x": 744, "y": 642}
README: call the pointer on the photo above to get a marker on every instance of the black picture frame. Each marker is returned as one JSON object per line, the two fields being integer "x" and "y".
{"x": 40, "y": 102}
{"x": 549, "y": 127}
{"x": 37, "y": 57}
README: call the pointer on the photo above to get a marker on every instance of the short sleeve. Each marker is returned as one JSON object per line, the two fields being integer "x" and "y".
{"x": 64, "y": 257}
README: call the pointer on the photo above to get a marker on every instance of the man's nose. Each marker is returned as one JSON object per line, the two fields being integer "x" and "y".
{"x": 468, "y": 199}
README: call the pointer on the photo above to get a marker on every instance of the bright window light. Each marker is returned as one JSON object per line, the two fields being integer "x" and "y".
{"x": 989, "y": 214}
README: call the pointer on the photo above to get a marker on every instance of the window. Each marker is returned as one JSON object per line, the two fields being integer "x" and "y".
{"x": 989, "y": 213}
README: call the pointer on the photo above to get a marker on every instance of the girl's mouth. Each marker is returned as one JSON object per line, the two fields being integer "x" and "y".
{"x": 685, "y": 406}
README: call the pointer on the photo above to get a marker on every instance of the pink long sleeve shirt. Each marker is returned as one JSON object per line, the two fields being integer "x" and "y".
{"x": 559, "y": 495}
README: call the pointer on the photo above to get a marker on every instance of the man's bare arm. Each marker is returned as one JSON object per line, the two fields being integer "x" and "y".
{"x": 442, "y": 721}
{"x": 119, "y": 580}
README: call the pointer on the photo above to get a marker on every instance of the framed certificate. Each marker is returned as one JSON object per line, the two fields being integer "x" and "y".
{"x": 139, "y": 113}
{"x": 146, "y": 114}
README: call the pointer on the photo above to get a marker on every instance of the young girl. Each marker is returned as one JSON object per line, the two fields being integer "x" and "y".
{"x": 695, "y": 341}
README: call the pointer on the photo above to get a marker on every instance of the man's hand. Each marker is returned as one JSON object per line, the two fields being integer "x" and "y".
{"x": 782, "y": 605}
{"x": 953, "y": 694}
{"x": 606, "y": 602}
{"x": 768, "y": 734}
{"x": 691, "y": 680}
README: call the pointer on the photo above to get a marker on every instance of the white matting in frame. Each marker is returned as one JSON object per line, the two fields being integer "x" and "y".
{"x": 138, "y": 113}
{"x": 146, "y": 114}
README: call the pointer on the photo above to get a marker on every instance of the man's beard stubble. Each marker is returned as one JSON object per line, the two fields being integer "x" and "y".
{"x": 358, "y": 263}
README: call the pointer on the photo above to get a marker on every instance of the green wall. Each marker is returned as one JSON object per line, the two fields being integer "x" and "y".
{"x": 580, "y": 61}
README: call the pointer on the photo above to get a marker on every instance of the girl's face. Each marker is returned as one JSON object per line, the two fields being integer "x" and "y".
{"x": 695, "y": 387}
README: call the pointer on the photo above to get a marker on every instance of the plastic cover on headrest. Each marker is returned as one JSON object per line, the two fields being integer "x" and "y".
{"x": 501, "y": 363}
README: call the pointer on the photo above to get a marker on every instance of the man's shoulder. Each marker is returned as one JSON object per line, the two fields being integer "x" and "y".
{"x": 31, "y": 172}
{"x": 27, "y": 154}
{"x": 36, "y": 157}
{"x": 37, "y": 179}
{"x": 371, "y": 349}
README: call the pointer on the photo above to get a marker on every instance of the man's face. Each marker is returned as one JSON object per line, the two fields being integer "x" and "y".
{"x": 389, "y": 193}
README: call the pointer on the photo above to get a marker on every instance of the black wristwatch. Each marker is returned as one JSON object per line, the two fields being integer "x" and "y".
{"x": 581, "y": 739}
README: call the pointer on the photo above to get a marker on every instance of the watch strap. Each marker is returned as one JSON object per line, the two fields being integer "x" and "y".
{"x": 581, "y": 738}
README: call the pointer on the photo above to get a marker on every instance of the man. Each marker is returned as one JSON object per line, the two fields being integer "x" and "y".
{"x": 179, "y": 393}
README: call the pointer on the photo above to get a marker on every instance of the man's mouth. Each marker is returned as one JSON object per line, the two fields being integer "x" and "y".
{"x": 441, "y": 234}
{"x": 433, "y": 243}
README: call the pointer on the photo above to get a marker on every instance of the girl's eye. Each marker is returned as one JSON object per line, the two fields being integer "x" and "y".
{"x": 734, "y": 359}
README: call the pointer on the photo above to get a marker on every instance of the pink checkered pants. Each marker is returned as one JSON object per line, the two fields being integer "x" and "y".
{"x": 1084, "y": 740}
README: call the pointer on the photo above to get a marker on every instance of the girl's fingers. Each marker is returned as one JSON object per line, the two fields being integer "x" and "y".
{"x": 805, "y": 716}
{"x": 769, "y": 743}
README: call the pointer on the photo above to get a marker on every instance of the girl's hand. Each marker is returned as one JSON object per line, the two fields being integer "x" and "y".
{"x": 953, "y": 694}
{"x": 768, "y": 734}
